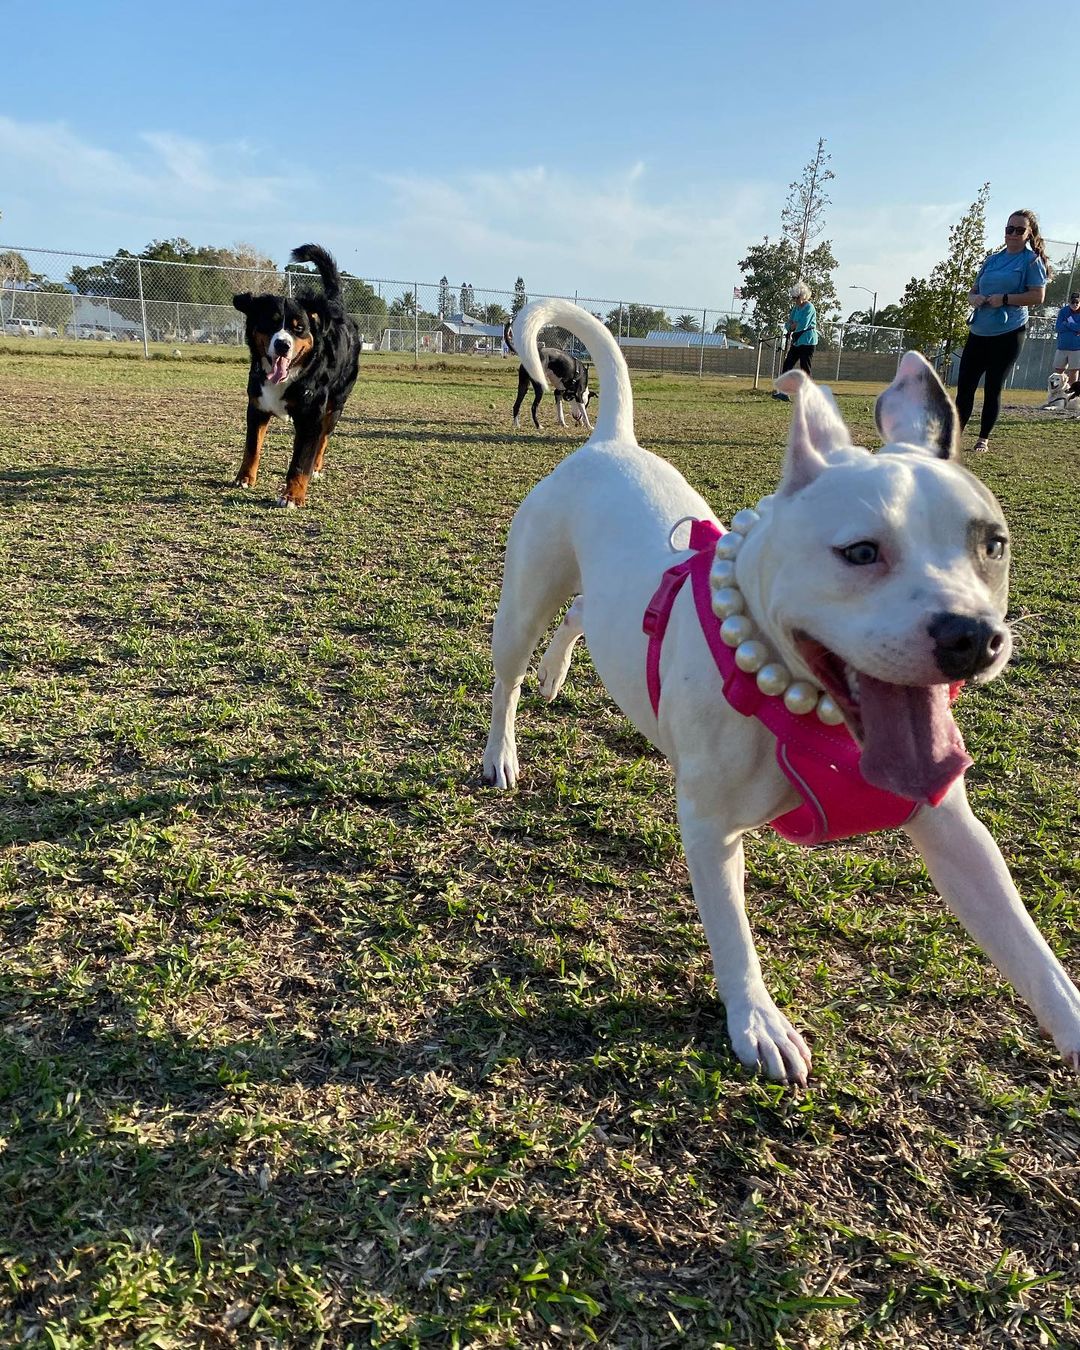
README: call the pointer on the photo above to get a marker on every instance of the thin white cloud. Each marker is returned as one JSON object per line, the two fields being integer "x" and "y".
{"x": 566, "y": 232}
{"x": 162, "y": 176}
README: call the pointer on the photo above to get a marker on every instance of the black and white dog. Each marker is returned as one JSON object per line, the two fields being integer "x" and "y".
{"x": 568, "y": 378}
{"x": 305, "y": 356}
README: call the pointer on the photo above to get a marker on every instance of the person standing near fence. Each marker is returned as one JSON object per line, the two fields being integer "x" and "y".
{"x": 1067, "y": 356}
{"x": 1011, "y": 278}
{"x": 802, "y": 327}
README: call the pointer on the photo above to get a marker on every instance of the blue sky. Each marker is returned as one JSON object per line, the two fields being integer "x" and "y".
{"x": 617, "y": 150}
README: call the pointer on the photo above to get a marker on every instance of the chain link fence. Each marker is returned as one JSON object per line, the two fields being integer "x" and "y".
{"x": 50, "y": 294}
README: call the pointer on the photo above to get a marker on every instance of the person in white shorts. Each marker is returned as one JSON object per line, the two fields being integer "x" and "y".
{"x": 1067, "y": 356}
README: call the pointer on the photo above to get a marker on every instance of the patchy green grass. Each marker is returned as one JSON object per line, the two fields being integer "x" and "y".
{"x": 308, "y": 1039}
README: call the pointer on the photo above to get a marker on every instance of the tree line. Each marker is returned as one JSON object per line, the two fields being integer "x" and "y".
{"x": 932, "y": 311}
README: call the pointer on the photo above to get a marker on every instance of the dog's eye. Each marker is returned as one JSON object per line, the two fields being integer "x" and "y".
{"x": 995, "y": 547}
{"x": 861, "y": 554}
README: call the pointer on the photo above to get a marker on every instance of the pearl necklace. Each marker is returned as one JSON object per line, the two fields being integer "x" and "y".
{"x": 738, "y": 630}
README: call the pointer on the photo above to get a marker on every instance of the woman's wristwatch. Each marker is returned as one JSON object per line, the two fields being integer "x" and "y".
{"x": 1005, "y": 300}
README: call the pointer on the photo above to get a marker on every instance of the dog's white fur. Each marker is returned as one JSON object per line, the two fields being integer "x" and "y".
{"x": 1060, "y": 392}
{"x": 599, "y": 526}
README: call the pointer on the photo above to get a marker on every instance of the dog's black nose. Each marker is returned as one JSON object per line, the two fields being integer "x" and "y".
{"x": 281, "y": 347}
{"x": 964, "y": 646}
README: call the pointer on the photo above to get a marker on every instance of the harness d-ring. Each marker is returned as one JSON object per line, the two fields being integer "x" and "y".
{"x": 683, "y": 520}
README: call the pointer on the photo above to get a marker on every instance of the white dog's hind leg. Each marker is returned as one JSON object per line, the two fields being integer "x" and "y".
{"x": 556, "y": 660}
{"x": 760, "y": 1033}
{"x": 538, "y": 577}
{"x": 967, "y": 868}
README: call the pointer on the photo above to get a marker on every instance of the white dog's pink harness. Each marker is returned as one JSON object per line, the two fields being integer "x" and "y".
{"x": 821, "y": 761}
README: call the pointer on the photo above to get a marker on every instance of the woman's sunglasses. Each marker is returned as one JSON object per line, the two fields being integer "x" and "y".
{"x": 1016, "y": 229}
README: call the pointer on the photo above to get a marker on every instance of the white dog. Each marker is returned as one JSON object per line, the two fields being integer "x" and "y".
{"x": 1060, "y": 394}
{"x": 878, "y": 577}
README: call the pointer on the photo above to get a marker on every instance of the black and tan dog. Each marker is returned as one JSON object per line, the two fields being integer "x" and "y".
{"x": 568, "y": 377}
{"x": 305, "y": 356}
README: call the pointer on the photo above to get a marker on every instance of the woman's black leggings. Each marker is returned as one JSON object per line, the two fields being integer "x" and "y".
{"x": 992, "y": 358}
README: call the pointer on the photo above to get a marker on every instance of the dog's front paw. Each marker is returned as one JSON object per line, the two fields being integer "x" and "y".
{"x": 1066, "y": 1036}
{"x": 243, "y": 480}
{"x": 501, "y": 766}
{"x": 763, "y": 1038}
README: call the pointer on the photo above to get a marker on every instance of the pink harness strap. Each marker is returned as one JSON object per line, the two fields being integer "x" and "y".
{"x": 820, "y": 761}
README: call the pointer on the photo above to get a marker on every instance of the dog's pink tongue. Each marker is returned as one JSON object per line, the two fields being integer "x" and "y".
{"x": 280, "y": 370}
{"x": 911, "y": 745}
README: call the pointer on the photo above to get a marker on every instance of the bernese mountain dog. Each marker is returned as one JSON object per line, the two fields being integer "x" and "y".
{"x": 305, "y": 356}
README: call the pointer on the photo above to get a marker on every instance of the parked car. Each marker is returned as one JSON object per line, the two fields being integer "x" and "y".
{"x": 19, "y": 328}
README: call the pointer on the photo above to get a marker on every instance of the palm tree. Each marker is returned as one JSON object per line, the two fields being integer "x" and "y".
{"x": 686, "y": 323}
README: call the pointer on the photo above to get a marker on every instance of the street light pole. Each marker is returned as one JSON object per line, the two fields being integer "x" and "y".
{"x": 873, "y": 303}
{"x": 873, "y": 309}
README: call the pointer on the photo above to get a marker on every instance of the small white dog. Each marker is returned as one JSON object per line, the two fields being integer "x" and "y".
{"x": 878, "y": 578}
{"x": 1060, "y": 394}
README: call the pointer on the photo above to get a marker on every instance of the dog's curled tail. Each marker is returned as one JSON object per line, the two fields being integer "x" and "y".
{"x": 615, "y": 420}
{"x": 327, "y": 267}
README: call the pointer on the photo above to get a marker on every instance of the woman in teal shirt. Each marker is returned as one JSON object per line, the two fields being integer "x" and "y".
{"x": 1009, "y": 280}
{"x": 802, "y": 325}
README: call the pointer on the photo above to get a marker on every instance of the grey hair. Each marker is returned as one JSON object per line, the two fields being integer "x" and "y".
{"x": 800, "y": 291}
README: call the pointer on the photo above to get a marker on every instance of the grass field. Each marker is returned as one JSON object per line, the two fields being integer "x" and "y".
{"x": 309, "y": 1039}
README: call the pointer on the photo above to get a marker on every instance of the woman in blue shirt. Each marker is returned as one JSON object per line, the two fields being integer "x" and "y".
{"x": 802, "y": 325}
{"x": 1009, "y": 280}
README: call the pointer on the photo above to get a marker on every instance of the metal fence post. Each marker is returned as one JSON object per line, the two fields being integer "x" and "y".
{"x": 416, "y": 323}
{"x": 839, "y": 348}
{"x": 701, "y": 355}
{"x": 142, "y": 310}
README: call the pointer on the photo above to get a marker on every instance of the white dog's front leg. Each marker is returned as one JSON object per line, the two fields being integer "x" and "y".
{"x": 760, "y": 1033}
{"x": 967, "y": 867}
{"x": 559, "y": 411}
{"x": 500, "y": 754}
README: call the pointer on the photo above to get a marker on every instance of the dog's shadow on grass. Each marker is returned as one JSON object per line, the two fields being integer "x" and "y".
{"x": 107, "y": 483}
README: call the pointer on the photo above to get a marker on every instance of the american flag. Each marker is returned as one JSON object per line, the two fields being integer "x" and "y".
{"x": 736, "y": 293}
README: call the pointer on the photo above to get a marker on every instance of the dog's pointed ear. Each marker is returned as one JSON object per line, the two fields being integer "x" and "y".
{"x": 242, "y": 302}
{"x": 916, "y": 410}
{"x": 816, "y": 429}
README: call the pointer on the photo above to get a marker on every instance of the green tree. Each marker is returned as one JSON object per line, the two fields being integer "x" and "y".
{"x": 636, "y": 320}
{"x": 918, "y": 306}
{"x": 686, "y": 323}
{"x": 771, "y": 269}
{"x": 732, "y": 327}
{"x": 520, "y": 299}
{"x": 468, "y": 301}
{"x": 935, "y": 309}
{"x": 954, "y": 276}
{"x": 214, "y": 275}
{"x": 446, "y": 303}
{"x": 494, "y": 313}
{"x": 13, "y": 268}
{"x": 803, "y": 214}
{"x": 769, "y": 272}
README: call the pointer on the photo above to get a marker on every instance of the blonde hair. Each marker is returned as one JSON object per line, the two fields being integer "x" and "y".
{"x": 800, "y": 292}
